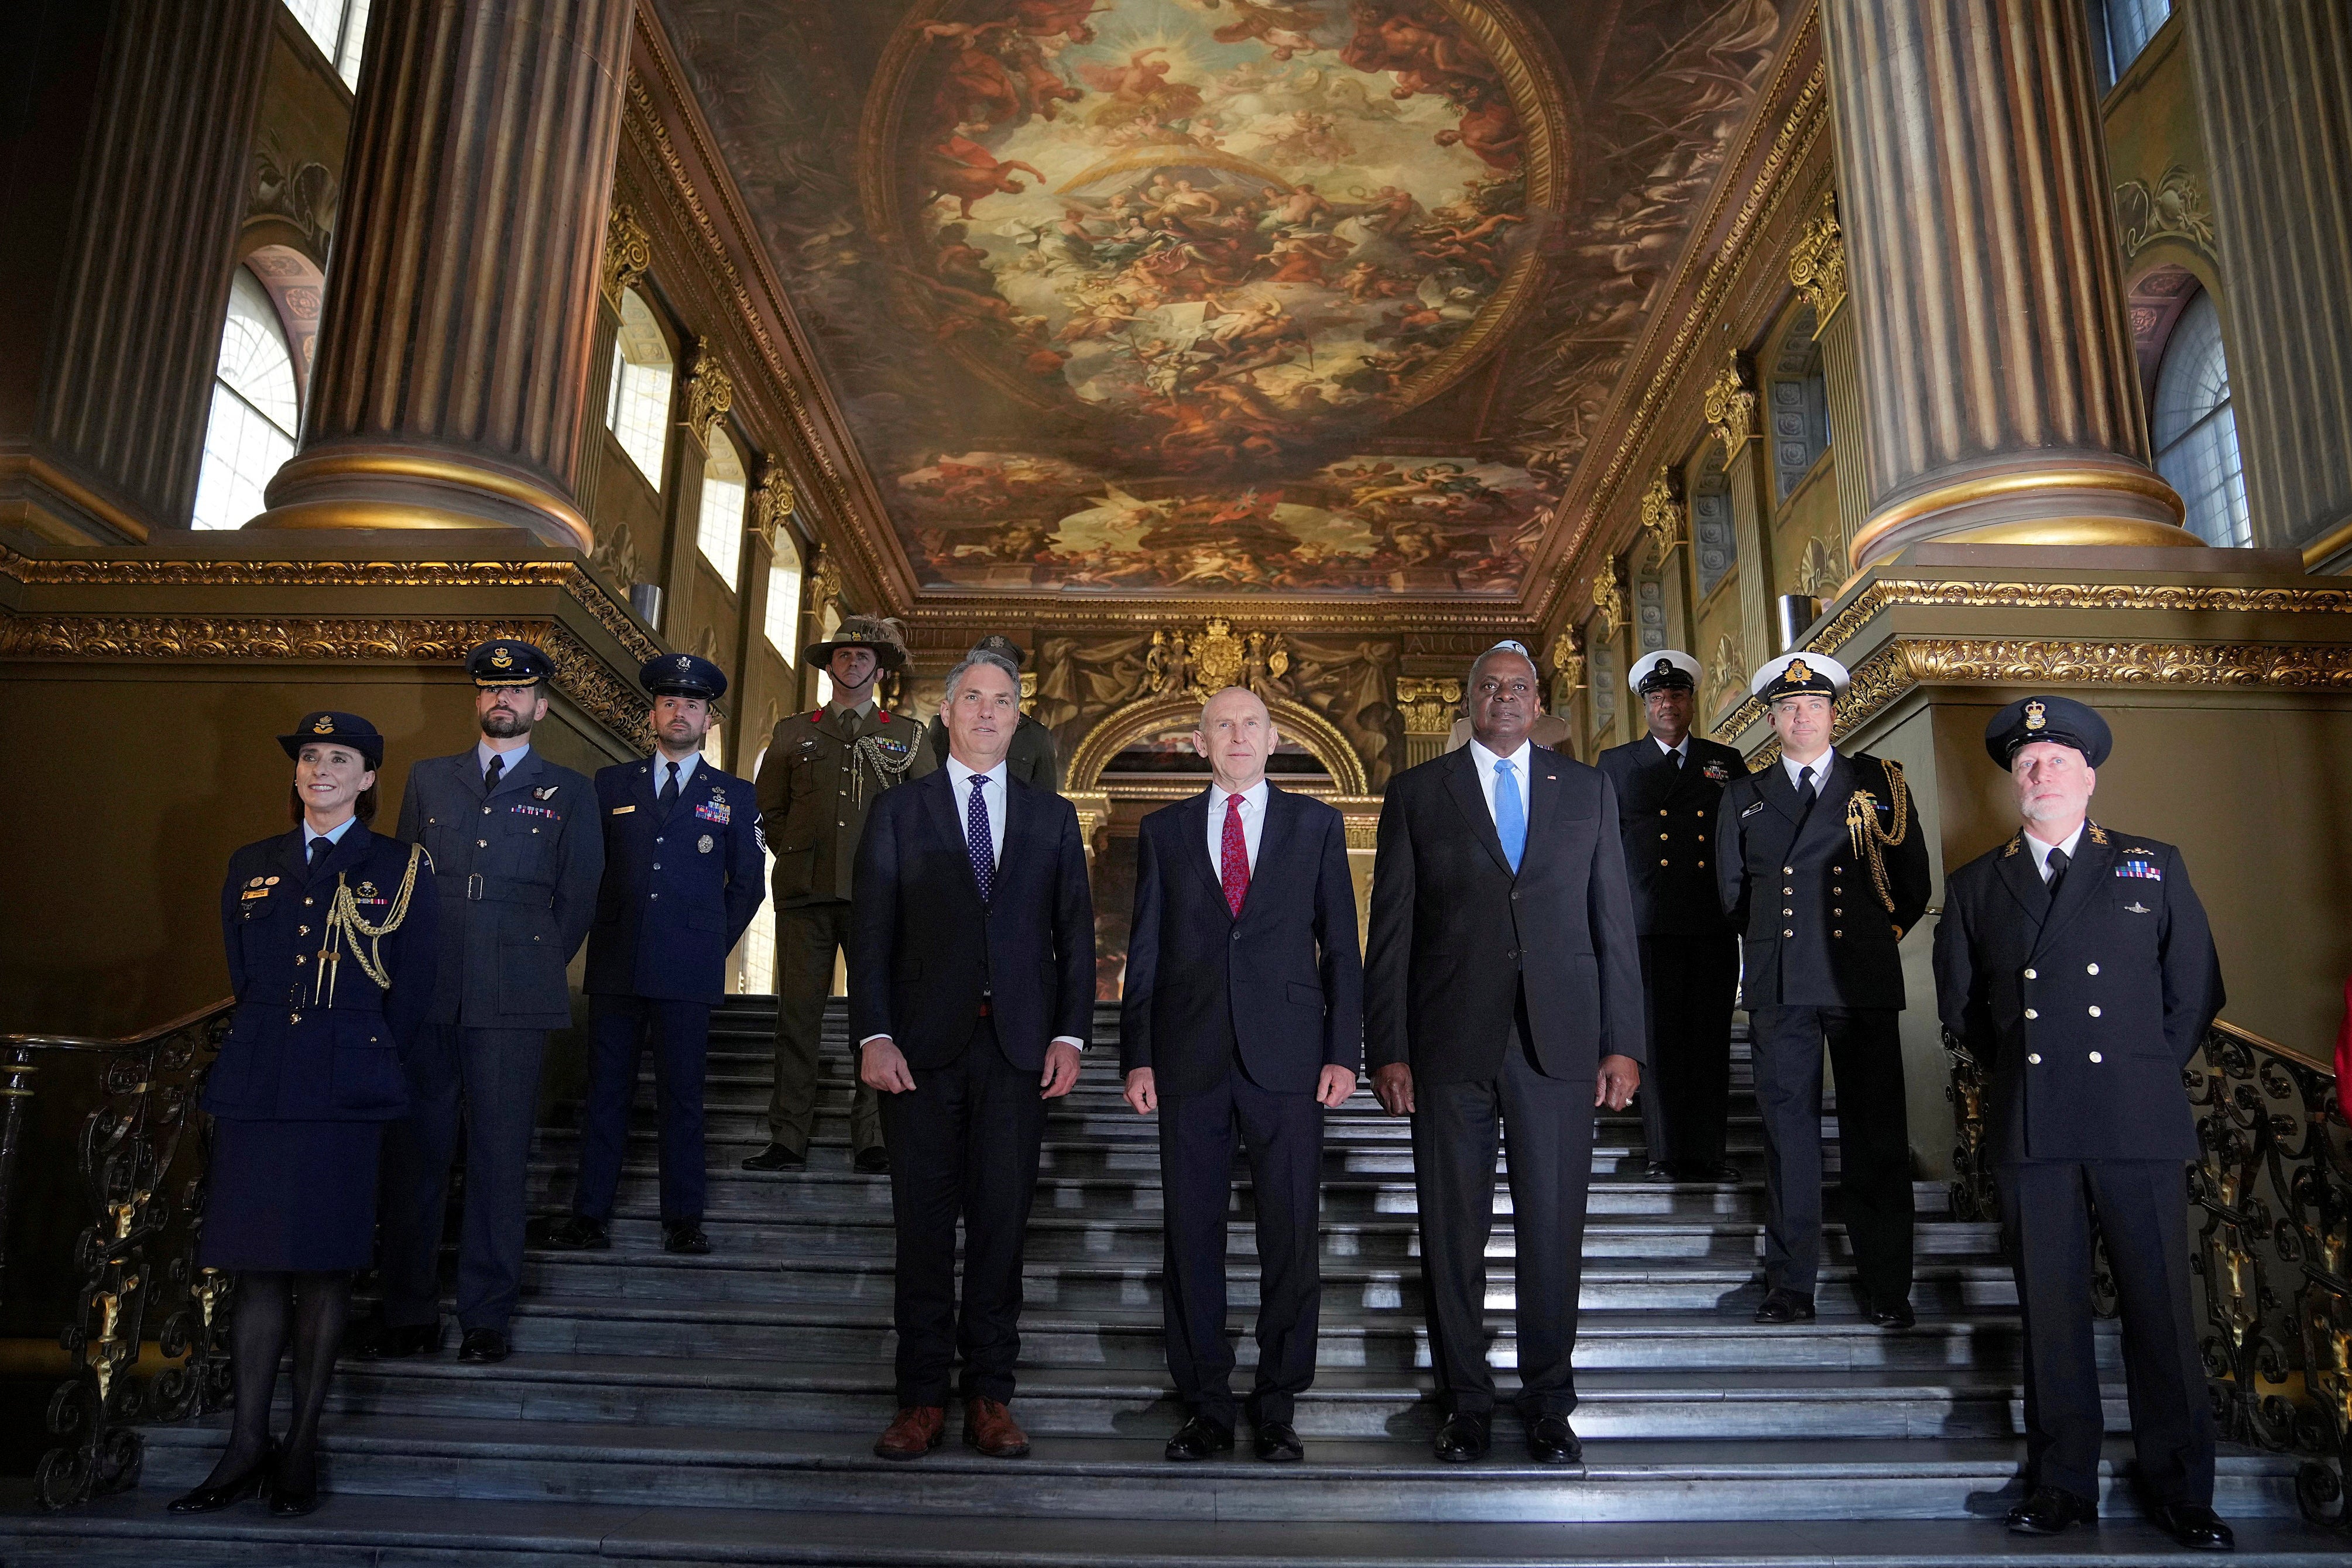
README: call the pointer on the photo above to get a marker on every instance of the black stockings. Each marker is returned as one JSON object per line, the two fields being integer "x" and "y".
{"x": 318, "y": 1306}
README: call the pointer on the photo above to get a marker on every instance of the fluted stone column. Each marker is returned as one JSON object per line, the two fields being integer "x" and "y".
{"x": 2274, "y": 94}
{"x": 1817, "y": 270}
{"x": 1997, "y": 374}
{"x": 460, "y": 314}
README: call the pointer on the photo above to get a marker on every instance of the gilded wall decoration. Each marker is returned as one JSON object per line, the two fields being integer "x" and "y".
{"x": 1730, "y": 408}
{"x": 298, "y": 191}
{"x": 2172, "y": 208}
{"x": 1817, "y": 570}
{"x": 1567, "y": 672}
{"x": 1817, "y": 263}
{"x": 1727, "y": 670}
{"x": 773, "y": 501}
{"x": 1663, "y": 519}
{"x": 628, "y": 252}
{"x": 1609, "y": 600}
{"x": 825, "y": 580}
{"x": 1200, "y": 664}
{"x": 709, "y": 391}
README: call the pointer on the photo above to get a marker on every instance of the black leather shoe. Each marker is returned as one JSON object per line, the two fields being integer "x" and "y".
{"x": 1200, "y": 1438}
{"x": 286, "y": 1503}
{"x": 1278, "y": 1441}
{"x": 400, "y": 1340}
{"x": 2052, "y": 1510}
{"x": 872, "y": 1162}
{"x": 2194, "y": 1525}
{"x": 212, "y": 1500}
{"x": 776, "y": 1158}
{"x": 483, "y": 1344}
{"x": 577, "y": 1233}
{"x": 1464, "y": 1439}
{"x": 1785, "y": 1307}
{"x": 1893, "y": 1312}
{"x": 1660, "y": 1171}
{"x": 1552, "y": 1441}
{"x": 687, "y": 1237}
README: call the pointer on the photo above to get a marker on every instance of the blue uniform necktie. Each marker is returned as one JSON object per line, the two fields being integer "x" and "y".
{"x": 1510, "y": 817}
{"x": 493, "y": 773}
{"x": 975, "y": 838}
{"x": 318, "y": 848}
{"x": 669, "y": 790}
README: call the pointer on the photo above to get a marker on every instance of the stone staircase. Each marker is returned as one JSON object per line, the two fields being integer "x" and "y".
{"x": 675, "y": 1410}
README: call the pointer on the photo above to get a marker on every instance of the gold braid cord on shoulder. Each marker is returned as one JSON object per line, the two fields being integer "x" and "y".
{"x": 869, "y": 749}
{"x": 1863, "y": 830}
{"x": 343, "y": 921}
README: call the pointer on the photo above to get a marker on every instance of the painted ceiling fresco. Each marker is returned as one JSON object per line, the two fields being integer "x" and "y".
{"x": 1217, "y": 296}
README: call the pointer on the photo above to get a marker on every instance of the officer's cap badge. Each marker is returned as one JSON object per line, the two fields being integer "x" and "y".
{"x": 501, "y": 659}
{"x": 326, "y": 725}
{"x": 1797, "y": 672}
{"x": 2036, "y": 715}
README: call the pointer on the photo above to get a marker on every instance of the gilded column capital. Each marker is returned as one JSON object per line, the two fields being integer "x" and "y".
{"x": 1732, "y": 407}
{"x": 709, "y": 391}
{"x": 1567, "y": 669}
{"x": 825, "y": 580}
{"x": 1608, "y": 598}
{"x": 773, "y": 501}
{"x": 1817, "y": 263}
{"x": 628, "y": 252}
{"x": 1663, "y": 516}
{"x": 1426, "y": 704}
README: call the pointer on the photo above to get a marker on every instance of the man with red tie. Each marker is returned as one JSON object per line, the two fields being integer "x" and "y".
{"x": 1243, "y": 1020}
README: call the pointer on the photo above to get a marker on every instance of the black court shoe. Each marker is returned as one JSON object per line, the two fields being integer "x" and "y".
{"x": 1893, "y": 1312}
{"x": 483, "y": 1345}
{"x": 212, "y": 1500}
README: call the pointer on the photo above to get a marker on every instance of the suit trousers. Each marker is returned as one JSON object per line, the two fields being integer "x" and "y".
{"x": 494, "y": 1072}
{"x": 806, "y": 940}
{"x": 1689, "y": 983}
{"x": 964, "y": 1145}
{"x": 1544, "y": 1127}
{"x": 621, "y": 1027}
{"x": 2142, "y": 1207}
{"x": 1874, "y": 1144}
{"x": 1282, "y": 1136}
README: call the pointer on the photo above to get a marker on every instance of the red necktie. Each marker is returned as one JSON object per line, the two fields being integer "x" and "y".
{"x": 1233, "y": 858}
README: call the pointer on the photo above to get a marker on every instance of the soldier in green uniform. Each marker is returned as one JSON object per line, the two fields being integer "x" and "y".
{"x": 822, "y": 775}
{"x": 1031, "y": 760}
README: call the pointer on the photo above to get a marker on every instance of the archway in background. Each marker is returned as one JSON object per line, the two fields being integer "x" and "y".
{"x": 1151, "y": 715}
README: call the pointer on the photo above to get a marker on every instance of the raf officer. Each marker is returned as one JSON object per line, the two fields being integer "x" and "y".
{"x": 1031, "y": 760}
{"x": 1669, "y": 795}
{"x": 823, "y": 774}
{"x": 1820, "y": 859}
{"x": 2074, "y": 963}
{"x": 517, "y": 851}
{"x": 682, "y": 875}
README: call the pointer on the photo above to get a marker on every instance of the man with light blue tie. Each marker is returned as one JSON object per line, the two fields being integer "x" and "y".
{"x": 1502, "y": 1007}
{"x": 972, "y": 988}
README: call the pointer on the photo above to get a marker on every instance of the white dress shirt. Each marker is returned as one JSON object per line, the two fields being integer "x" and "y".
{"x": 1253, "y": 801}
{"x": 1681, "y": 752}
{"x": 960, "y": 780}
{"x": 2042, "y": 851}
{"x": 1519, "y": 761}
{"x": 685, "y": 766}
{"x": 482, "y": 754}
{"x": 1820, "y": 765}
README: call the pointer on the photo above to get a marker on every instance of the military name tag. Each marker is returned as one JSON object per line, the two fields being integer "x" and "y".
{"x": 623, "y": 811}
{"x": 704, "y": 844}
{"x": 257, "y": 893}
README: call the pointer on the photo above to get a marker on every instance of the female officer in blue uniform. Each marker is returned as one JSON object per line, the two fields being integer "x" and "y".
{"x": 329, "y": 932}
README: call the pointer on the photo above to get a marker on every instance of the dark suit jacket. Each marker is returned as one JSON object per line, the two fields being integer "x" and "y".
{"x": 923, "y": 948}
{"x": 1455, "y": 937}
{"x": 1816, "y": 933}
{"x": 679, "y": 890}
{"x": 1283, "y": 984}
{"x": 1668, "y": 814}
{"x": 2121, "y": 962}
{"x": 517, "y": 873}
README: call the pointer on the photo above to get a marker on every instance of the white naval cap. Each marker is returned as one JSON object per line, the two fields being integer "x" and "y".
{"x": 1792, "y": 674}
{"x": 1660, "y": 668}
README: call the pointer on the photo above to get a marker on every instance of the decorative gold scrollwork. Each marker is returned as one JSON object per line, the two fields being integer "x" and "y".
{"x": 1817, "y": 263}
{"x": 1730, "y": 408}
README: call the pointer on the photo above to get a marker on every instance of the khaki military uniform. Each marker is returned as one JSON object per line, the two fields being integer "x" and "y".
{"x": 823, "y": 773}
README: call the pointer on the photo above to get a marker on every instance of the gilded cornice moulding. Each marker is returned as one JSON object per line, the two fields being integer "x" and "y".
{"x": 1817, "y": 263}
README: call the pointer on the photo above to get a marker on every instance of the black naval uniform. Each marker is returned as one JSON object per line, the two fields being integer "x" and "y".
{"x": 1669, "y": 802}
{"x": 814, "y": 789}
{"x": 1821, "y": 961}
{"x": 2085, "y": 1006}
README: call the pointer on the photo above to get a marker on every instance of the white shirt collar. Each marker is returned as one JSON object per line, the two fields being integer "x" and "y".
{"x": 961, "y": 775}
{"x": 1683, "y": 750}
{"x": 2042, "y": 851}
{"x": 1486, "y": 760}
{"x": 1253, "y": 797}
{"x": 1822, "y": 767}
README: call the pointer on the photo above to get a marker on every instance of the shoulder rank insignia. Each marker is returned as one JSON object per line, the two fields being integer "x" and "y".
{"x": 2098, "y": 834}
{"x": 548, "y": 792}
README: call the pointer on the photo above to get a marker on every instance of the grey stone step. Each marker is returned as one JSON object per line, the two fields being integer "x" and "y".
{"x": 133, "y": 1532}
{"x": 1097, "y": 1478}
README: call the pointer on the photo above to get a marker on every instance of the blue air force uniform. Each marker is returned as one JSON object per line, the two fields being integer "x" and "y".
{"x": 2084, "y": 994}
{"x": 517, "y": 856}
{"x": 683, "y": 876}
{"x": 311, "y": 1072}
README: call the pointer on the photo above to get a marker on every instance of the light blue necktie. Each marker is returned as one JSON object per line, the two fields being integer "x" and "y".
{"x": 1510, "y": 817}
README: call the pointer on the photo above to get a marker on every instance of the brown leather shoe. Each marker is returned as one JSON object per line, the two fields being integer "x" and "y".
{"x": 918, "y": 1429}
{"x": 991, "y": 1428}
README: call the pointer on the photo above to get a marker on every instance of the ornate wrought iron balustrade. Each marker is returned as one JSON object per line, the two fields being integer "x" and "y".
{"x": 140, "y": 1164}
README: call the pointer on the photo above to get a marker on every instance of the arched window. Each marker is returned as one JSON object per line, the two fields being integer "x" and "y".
{"x": 643, "y": 370}
{"x": 2196, "y": 431}
{"x": 718, "y": 532}
{"x": 339, "y": 29}
{"x": 2120, "y": 29}
{"x": 255, "y": 411}
{"x": 783, "y": 617}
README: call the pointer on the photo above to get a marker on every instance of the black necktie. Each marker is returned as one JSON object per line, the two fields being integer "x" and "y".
{"x": 2057, "y": 871}
{"x": 318, "y": 848}
{"x": 1806, "y": 793}
{"x": 1677, "y": 756}
{"x": 669, "y": 790}
{"x": 494, "y": 772}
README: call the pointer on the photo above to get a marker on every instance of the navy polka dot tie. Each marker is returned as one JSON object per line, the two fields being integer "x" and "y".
{"x": 975, "y": 835}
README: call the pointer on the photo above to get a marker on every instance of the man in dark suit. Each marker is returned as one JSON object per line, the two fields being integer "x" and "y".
{"x": 518, "y": 854}
{"x": 972, "y": 988}
{"x": 682, "y": 880}
{"x": 2074, "y": 964}
{"x": 1820, "y": 861}
{"x": 1669, "y": 791}
{"x": 1242, "y": 1015}
{"x": 1503, "y": 998}
{"x": 1031, "y": 760}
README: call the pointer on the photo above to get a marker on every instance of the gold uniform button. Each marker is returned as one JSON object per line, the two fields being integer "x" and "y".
{"x": 1701, "y": 812}
{"x": 1702, "y": 865}
{"x": 481, "y": 843}
{"x": 1787, "y": 911}
{"x": 2092, "y": 970}
{"x": 1837, "y": 934}
{"x": 1837, "y": 912}
{"x": 1661, "y": 811}
{"x": 1787, "y": 893}
{"x": 2032, "y": 1014}
{"x": 2034, "y": 1057}
{"x": 294, "y": 1017}
{"x": 1665, "y": 835}
{"x": 2094, "y": 1009}
{"x": 2032, "y": 975}
{"x": 1662, "y": 863}
{"x": 1788, "y": 871}
{"x": 298, "y": 959}
{"x": 2096, "y": 1057}
{"x": 1787, "y": 933}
